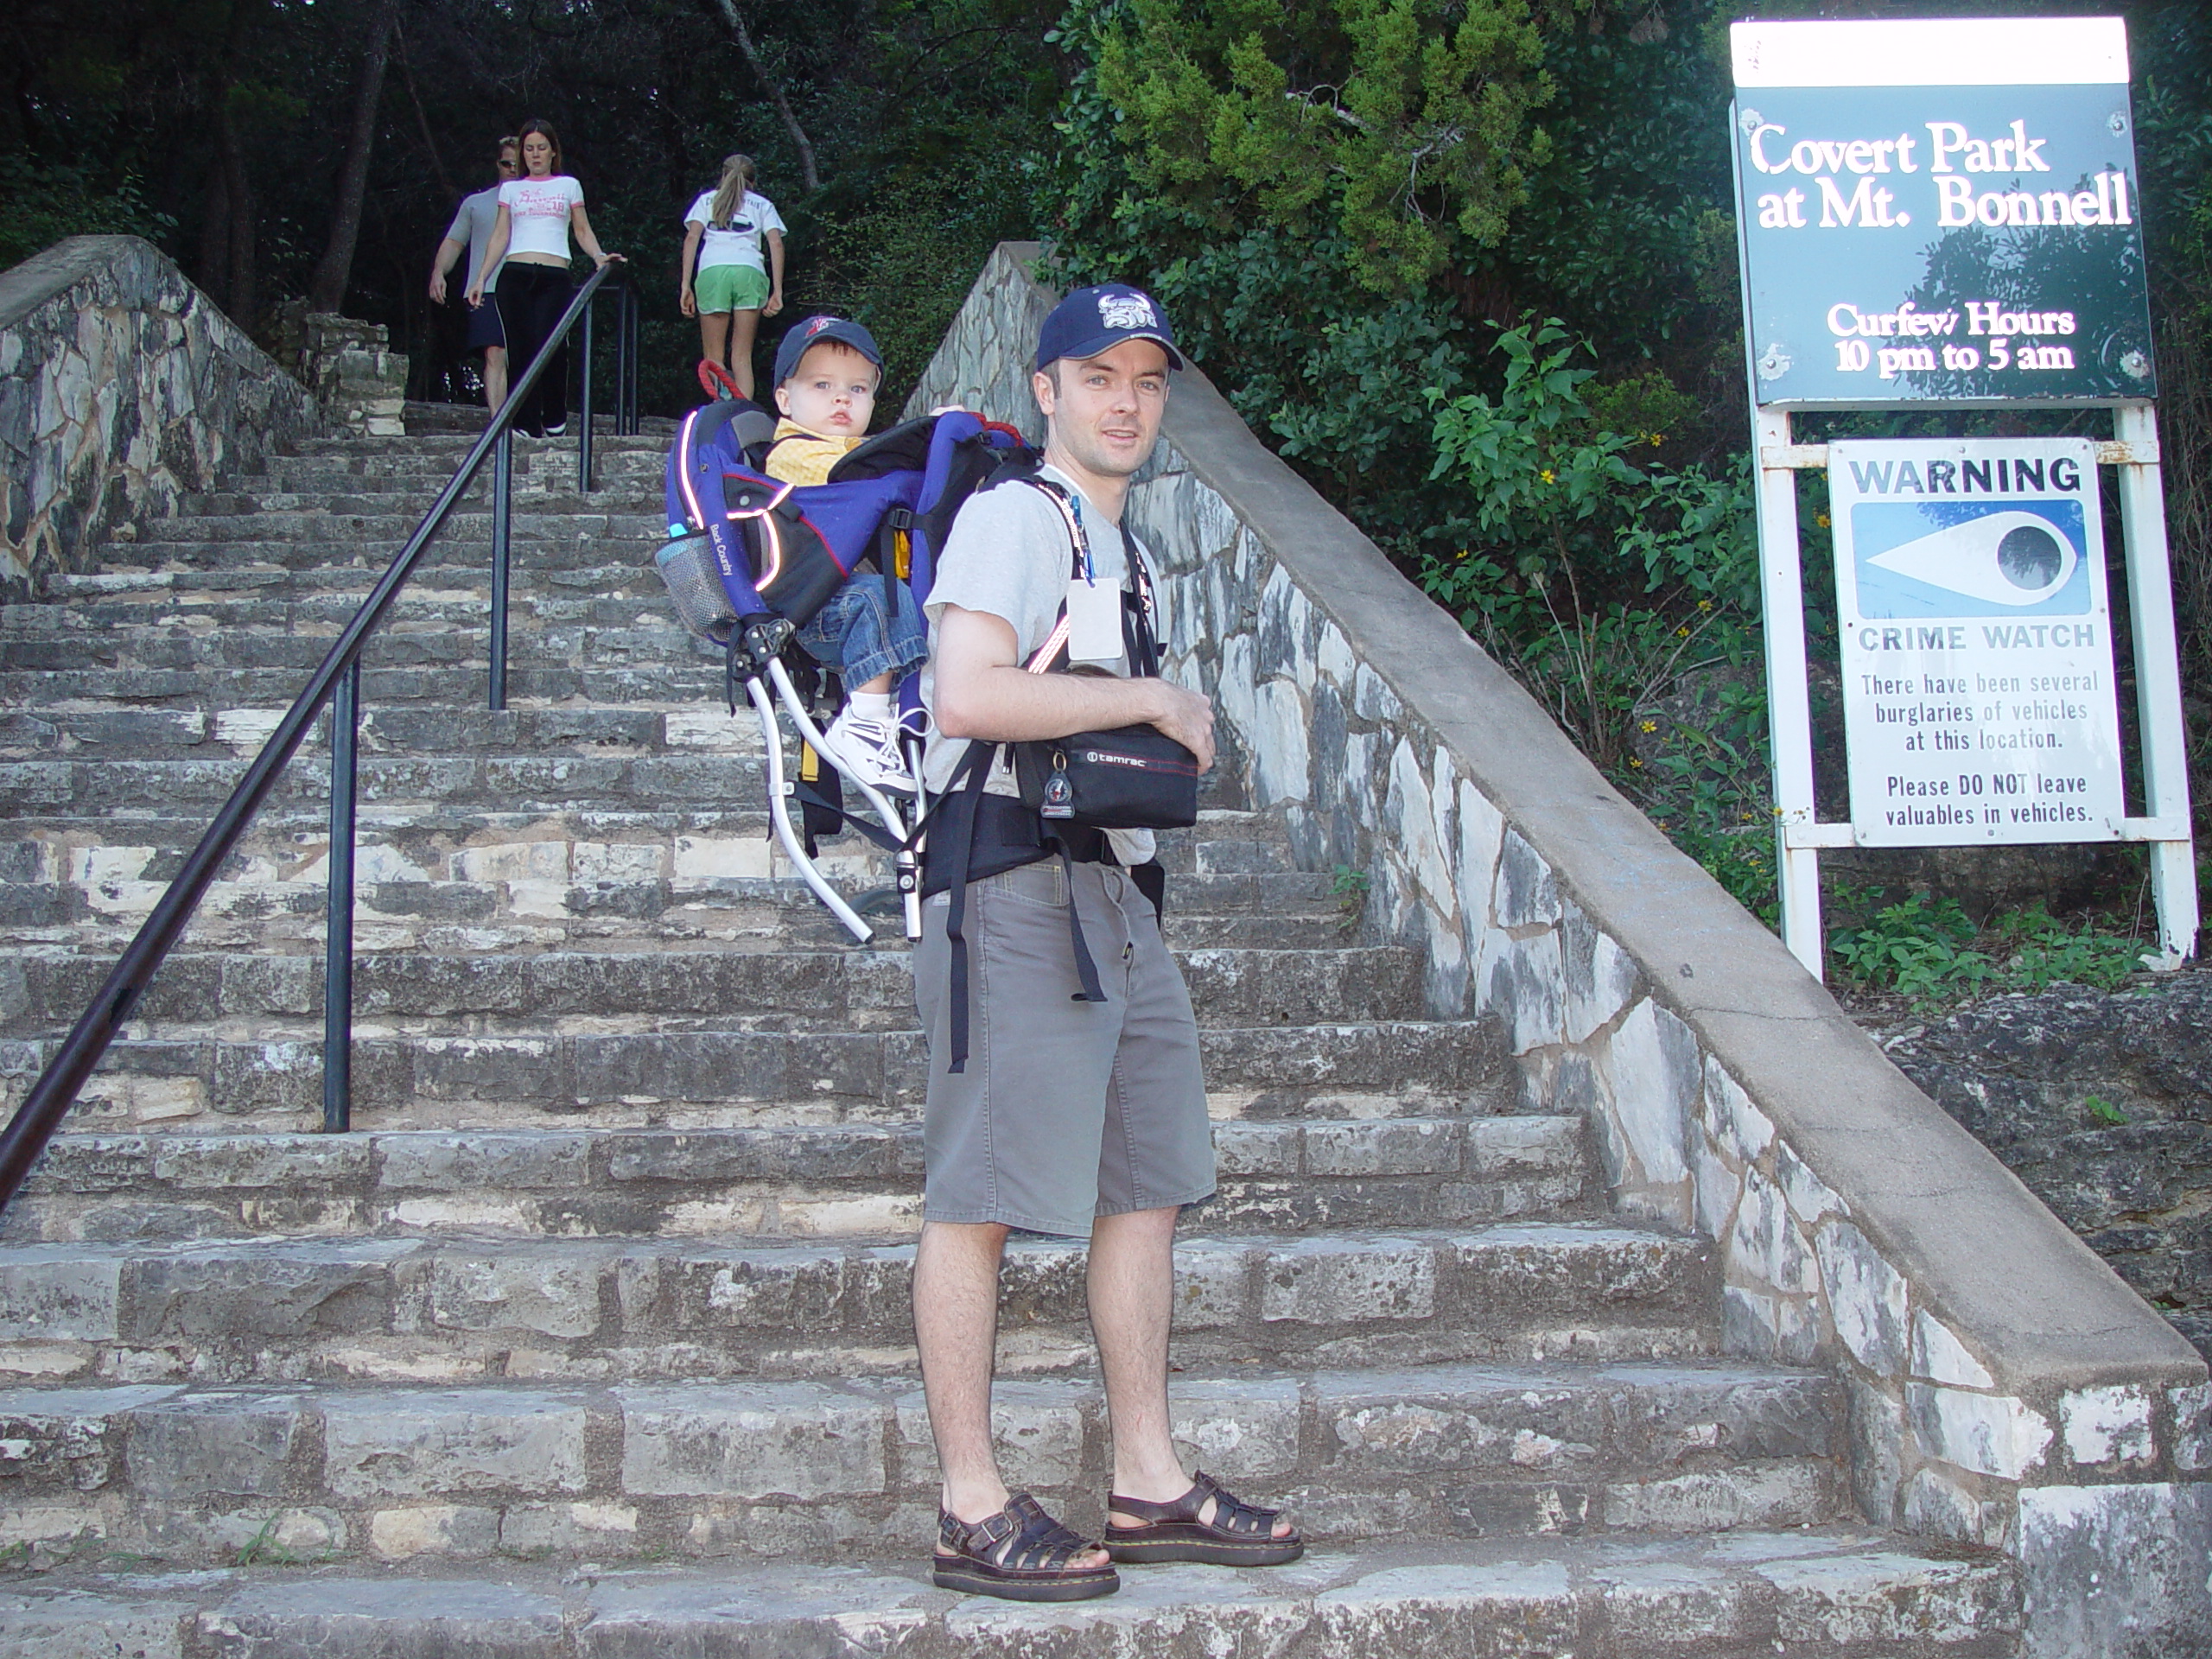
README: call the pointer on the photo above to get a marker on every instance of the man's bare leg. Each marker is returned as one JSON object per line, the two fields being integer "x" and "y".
{"x": 495, "y": 377}
{"x": 955, "y": 1328}
{"x": 1132, "y": 1287}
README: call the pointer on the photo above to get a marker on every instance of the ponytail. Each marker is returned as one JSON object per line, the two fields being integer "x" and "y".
{"x": 737, "y": 179}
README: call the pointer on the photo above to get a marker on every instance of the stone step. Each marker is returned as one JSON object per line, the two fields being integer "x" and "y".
{"x": 445, "y": 449}
{"x": 1286, "y": 1174}
{"x": 461, "y": 1308}
{"x": 831, "y": 1469}
{"x": 832, "y": 992}
{"x": 449, "y": 669}
{"x": 650, "y": 636}
{"x": 304, "y": 485}
{"x": 628, "y": 518}
{"x": 695, "y": 682}
{"x": 657, "y": 913}
{"x": 1830, "y": 1593}
{"x": 103, "y": 731}
{"x": 426, "y": 419}
{"x": 433, "y": 876}
{"x": 583, "y": 782}
{"x": 562, "y": 547}
{"x": 630, "y": 597}
{"x": 642, "y": 1073}
{"x": 185, "y": 586}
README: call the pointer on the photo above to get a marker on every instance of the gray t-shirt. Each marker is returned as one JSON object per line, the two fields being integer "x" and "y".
{"x": 473, "y": 223}
{"x": 1007, "y": 556}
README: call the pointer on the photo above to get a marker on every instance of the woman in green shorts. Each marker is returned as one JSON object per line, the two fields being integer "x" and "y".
{"x": 733, "y": 268}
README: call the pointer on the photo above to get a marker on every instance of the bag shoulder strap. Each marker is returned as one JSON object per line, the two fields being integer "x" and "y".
{"x": 1137, "y": 636}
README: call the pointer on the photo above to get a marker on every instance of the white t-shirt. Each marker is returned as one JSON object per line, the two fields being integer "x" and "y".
{"x": 1007, "y": 556}
{"x": 473, "y": 225}
{"x": 537, "y": 214}
{"x": 741, "y": 243}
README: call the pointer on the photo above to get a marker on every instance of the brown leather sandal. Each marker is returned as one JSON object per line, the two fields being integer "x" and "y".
{"x": 1239, "y": 1533}
{"x": 1020, "y": 1553}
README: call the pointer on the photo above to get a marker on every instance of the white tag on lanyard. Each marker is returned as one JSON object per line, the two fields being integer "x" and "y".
{"x": 1094, "y": 621}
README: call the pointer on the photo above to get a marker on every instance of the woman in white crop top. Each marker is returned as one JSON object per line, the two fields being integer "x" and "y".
{"x": 537, "y": 212}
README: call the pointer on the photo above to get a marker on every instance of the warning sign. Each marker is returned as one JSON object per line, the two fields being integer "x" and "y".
{"x": 1978, "y": 701}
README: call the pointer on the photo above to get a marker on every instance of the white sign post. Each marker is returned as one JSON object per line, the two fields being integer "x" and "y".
{"x": 1943, "y": 212}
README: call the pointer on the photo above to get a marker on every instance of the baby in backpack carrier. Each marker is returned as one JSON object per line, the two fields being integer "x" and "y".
{"x": 827, "y": 371}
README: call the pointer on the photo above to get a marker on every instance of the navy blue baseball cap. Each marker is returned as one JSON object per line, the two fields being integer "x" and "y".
{"x": 815, "y": 331}
{"x": 1095, "y": 320}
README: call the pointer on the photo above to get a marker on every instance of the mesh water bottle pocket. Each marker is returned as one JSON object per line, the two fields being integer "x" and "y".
{"x": 687, "y": 567}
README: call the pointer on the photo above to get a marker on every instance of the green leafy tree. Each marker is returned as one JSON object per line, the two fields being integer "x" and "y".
{"x": 1403, "y": 125}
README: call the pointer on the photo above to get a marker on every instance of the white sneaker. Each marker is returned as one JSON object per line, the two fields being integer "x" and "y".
{"x": 866, "y": 751}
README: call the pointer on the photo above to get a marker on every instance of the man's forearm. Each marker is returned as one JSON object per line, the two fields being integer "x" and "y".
{"x": 1011, "y": 705}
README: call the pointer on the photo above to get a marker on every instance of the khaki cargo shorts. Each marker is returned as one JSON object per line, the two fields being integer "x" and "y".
{"x": 1067, "y": 1111}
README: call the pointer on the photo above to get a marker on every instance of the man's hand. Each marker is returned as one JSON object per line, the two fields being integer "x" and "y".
{"x": 1186, "y": 716}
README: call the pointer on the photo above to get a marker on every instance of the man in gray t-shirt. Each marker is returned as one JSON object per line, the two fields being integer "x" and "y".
{"x": 1067, "y": 1115}
{"x": 470, "y": 230}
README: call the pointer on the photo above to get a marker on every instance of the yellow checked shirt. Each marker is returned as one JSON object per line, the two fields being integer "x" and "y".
{"x": 799, "y": 456}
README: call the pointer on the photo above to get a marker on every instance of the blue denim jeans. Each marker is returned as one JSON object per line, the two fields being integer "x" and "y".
{"x": 862, "y": 632}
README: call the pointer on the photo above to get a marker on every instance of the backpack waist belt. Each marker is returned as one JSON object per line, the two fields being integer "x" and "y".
{"x": 997, "y": 833}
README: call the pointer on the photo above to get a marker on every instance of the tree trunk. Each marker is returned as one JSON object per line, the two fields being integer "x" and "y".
{"x": 733, "y": 21}
{"x": 327, "y": 289}
{"x": 215, "y": 235}
{"x": 445, "y": 192}
{"x": 244, "y": 298}
{"x": 226, "y": 234}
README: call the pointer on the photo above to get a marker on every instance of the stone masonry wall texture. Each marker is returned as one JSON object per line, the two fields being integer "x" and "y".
{"x": 122, "y": 388}
{"x": 2006, "y": 1387}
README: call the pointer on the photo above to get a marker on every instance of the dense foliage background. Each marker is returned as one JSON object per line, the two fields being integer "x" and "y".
{"x": 1468, "y": 264}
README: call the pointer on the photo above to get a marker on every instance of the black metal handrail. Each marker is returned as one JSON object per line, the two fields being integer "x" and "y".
{"x": 336, "y": 680}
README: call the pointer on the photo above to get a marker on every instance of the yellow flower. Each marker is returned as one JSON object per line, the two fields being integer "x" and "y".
{"x": 1681, "y": 633}
{"x": 1658, "y": 438}
{"x": 1821, "y": 520}
{"x": 1705, "y": 604}
{"x": 1547, "y": 476}
{"x": 1648, "y": 726}
{"x": 1636, "y": 761}
{"x": 1463, "y": 552}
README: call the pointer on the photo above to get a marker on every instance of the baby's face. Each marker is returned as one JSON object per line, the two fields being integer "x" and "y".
{"x": 832, "y": 393}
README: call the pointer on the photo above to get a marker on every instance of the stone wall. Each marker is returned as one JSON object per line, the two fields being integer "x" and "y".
{"x": 2006, "y": 1389}
{"x": 122, "y": 387}
{"x": 358, "y": 382}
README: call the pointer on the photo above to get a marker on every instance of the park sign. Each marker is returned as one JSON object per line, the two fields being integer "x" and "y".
{"x": 1939, "y": 210}
{"x": 1978, "y": 694}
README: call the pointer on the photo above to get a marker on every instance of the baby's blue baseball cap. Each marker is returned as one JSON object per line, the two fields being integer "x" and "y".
{"x": 1095, "y": 320}
{"x": 815, "y": 331}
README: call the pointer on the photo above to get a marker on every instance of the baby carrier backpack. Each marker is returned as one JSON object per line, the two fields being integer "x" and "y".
{"x": 751, "y": 559}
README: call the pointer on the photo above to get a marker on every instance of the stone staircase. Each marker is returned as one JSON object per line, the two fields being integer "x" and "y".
{"x": 593, "y": 1338}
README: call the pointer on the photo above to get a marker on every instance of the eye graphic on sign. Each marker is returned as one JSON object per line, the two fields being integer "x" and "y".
{"x": 2003, "y": 558}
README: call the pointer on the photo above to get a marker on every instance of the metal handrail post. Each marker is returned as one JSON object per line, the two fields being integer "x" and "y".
{"x": 583, "y": 437}
{"x": 338, "y": 937}
{"x": 622, "y": 362}
{"x": 632, "y": 311}
{"x": 503, "y": 490}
